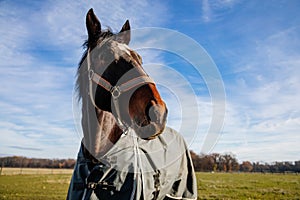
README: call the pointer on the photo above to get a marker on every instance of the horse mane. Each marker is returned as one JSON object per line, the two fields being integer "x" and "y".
{"x": 80, "y": 70}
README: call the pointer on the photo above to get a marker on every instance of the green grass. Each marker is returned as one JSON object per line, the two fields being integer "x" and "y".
{"x": 39, "y": 185}
{"x": 53, "y": 184}
{"x": 248, "y": 186}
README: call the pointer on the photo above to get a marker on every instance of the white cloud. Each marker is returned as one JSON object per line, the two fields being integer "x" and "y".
{"x": 262, "y": 121}
{"x": 65, "y": 20}
{"x": 213, "y": 10}
{"x": 207, "y": 13}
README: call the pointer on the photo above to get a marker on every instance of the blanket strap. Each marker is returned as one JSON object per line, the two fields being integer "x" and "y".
{"x": 95, "y": 181}
{"x": 156, "y": 185}
{"x": 100, "y": 185}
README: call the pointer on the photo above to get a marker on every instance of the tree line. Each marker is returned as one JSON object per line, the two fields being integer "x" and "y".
{"x": 19, "y": 161}
{"x": 214, "y": 162}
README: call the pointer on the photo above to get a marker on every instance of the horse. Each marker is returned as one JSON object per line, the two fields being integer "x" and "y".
{"x": 127, "y": 152}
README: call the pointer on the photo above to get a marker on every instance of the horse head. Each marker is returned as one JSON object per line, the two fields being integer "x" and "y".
{"x": 114, "y": 86}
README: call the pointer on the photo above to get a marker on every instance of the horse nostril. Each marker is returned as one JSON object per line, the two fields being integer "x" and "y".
{"x": 155, "y": 113}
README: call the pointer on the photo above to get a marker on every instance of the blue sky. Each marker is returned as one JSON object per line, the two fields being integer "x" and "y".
{"x": 254, "y": 44}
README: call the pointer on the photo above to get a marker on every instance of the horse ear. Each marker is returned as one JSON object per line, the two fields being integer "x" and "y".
{"x": 93, "y": 26}
{"x": 124, "y": 35}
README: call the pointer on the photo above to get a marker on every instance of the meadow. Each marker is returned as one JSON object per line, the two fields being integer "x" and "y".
{"x": 43, "y": 184}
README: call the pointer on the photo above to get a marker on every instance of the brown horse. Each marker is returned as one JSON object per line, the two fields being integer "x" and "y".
{"x": 108, "y": 60}
{"x": 119, "y": 100}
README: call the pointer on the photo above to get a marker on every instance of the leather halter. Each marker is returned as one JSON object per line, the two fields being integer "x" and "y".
{"x": 116, "y": 90}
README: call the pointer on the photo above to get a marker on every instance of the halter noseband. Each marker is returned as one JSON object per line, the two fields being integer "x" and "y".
{"x": 115, "y": 91}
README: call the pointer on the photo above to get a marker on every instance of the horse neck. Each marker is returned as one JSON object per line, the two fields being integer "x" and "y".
{"x": 100, "y": 129}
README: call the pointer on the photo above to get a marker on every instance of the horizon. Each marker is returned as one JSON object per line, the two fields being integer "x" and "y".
{"x": 234, "y": 156}
{"x": 254, "y": 45}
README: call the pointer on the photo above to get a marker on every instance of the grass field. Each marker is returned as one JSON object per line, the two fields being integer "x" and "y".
{"x": 53, "y": 184}
{"x": 248, "y": 186}
{"x": 36, "y": 184}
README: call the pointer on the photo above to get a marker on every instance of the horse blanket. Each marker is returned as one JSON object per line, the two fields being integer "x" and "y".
{"x": 136, "y": 169}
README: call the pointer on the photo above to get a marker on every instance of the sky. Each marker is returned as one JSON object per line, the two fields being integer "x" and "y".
{"x": 253, "y": 46}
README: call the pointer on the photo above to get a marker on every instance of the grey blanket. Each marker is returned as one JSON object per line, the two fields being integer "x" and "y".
{"x": 137, "y": 169}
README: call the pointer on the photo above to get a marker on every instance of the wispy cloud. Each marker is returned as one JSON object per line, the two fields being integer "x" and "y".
{"x": 207, "y": 13}
{"x": 264, "y": 114}
{"x": 25, "y": 148}
{"x": 213, "y": 10}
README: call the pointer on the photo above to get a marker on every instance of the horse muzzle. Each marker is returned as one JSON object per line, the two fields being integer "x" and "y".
{"x": 154, "y": 124}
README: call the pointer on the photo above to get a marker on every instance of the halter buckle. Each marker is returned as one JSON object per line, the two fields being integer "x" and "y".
{"x": 115, "y": 92}
{"x": 91, "y": 74}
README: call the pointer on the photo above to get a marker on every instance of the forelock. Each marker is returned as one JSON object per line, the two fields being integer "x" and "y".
{"x": 120, "y": 50}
